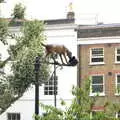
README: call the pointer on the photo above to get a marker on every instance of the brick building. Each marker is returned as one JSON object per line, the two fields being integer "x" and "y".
{"x": 99, "y": 60}
{"x": 98, "y": 49}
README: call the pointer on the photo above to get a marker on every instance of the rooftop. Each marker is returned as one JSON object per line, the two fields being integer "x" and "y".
{"x": 99, "y": 30}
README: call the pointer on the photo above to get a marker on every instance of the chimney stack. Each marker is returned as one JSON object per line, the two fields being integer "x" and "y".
{"x": 70, "y": 14}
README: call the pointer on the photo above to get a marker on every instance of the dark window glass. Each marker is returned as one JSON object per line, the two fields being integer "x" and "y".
{"x": 118, "y": 83}
{"x": 51, "y": 88}
{"x": 97, "y": 88}
{"x": 13, "y": 116}
{"x": 97, "y": 51}
{"x": 97, "y": 79}
{"x": 9, "y": 116}
{"x": 18, "y": 116}
{"x": 118, "y": 51}
{"x": 118, "y": 58}
{"x": 97, "y": 59}
{"x": 51, "y": 92}
{"x": 118, "y": 78}
{"x": 97, "y": 84}
{"x": 45, "y": 88}
{"x": 45, "y": 92}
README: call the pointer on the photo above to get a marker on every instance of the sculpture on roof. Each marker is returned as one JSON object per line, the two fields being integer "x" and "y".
{"x": 70, "y": 7}
{"x": 64, "y": 53}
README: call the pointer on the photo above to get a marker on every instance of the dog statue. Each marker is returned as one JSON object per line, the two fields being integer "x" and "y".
{"x": 61, "y": 50}
{"x": 73, "y": 61}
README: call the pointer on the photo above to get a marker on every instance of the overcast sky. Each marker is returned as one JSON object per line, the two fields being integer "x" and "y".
{"x": 107, "y": 11}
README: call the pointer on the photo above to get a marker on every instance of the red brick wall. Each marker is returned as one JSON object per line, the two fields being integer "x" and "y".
{"x": 110, "y": 66}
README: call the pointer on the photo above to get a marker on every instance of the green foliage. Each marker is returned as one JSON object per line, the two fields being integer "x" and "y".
{"x": 7, "y": 96}
{"x": 1, "y": 1}
{"x": 3, "y": 35}
{"x": 3, "y": 30}
{"x": 22, "y": 54}
{"x": 19, "y": 11}
{"x": 5, "y": 92}
{"x": 51, "y": 112}
{"x": 3, "y": 63}
{"x": 28, "y": 46}
{"x": 80, "y": 109}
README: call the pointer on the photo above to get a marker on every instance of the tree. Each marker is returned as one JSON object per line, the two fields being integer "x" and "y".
{"x": 19, "y": 11}
{"x": 3, "y": 36}
{"x": 5, "y": 94}
{"x": 3, "y": 30}
{"x": 28, "y": 46}
{"x": 1, "y": 1}
{"x": 23, "y": 53}
{"x": 80, "y": 108}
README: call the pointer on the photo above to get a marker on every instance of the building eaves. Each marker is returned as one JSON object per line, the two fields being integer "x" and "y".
{"x": 103, "y": 30}
{"x": 98, "y": 26}
{"x": 19, "y": 22}
{"x": 59, "y": 21}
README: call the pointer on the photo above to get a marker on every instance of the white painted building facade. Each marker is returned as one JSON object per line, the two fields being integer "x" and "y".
{"x": 58, "y": 32}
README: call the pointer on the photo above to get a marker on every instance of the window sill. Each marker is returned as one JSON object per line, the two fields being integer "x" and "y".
{"x": 117, "y": 94}
{"x": 101, "y": 63}
{"x": 97, "y": 94}
{"x": 117, "y": 62}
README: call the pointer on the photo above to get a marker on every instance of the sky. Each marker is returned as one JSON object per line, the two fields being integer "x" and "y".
{"x": 89, "y": 11}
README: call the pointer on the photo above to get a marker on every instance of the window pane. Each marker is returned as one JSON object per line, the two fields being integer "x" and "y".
{"x": 45, "y": 92}
{"x": 13, "y": 116}
{"x": 97, "y": 88}
{"x": 97, "y": 79}
{"x": 97, "y": 59}
{"x": 18, "y": 117}
{"x": 118, "y": 88}
{"x": 118, "y": 78}
{"x": 45, "y": 88}
{"x": 9, "y": 116}
{"x": 51, "y": 88}
{"x": 118, "y": 50}
{"x": 51, "y": 92}
{"x": 97, "y": 52}
{"x": 118, "y": 58}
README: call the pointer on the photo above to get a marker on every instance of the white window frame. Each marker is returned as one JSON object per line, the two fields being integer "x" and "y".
{"x": 117, "y": 113}
{"x": 116, "y": 83}
{"x": 48, "y": 85}
{"x": 116, "y": 55}
{"x": 97, "y": 93}
{"x": 14, "y": 113}
{"x": 102, "y": 56}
